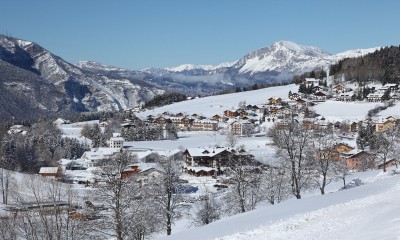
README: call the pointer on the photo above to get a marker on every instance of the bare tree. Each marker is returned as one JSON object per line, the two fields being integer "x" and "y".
{"x": 387, "y": 145}
{"x": 341, "y": 170}
{"x": 274, "y": 185}
{"x": 244, "y": 178}
{"x": 169, "y": 191}
{"x": 231, "y": 139}
{"x": 43, "y": 211}
{"x": 323, "y": 156}
{"x": 207, "y": 211}
{"x": 293, "y": 142}
{"x": 126, "y": 200}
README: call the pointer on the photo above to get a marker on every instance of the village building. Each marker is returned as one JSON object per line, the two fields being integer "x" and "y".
{"x": 210, "y": 161}
{"x": 217, "y": 118}
{"x": 385, "y": 124}
{"x": 241, "y": 127}
{"x": 204, "y": 125}
{"x": 345, "y": 96}
{"x": 93, "y": 157}
{"x": 375, "y": 97}
{"x": 230, "y": 114}
{"x": 54, "y": 172}
{"x": 294, "y": 96}
{"x": 339, "y": 88}
{"x": 117, "y": 141}
{"x": 357, "y": 159}
{"x": 319, "y": 96}
{"x": 311, "y": 82}
{"x": 144, "y": 171}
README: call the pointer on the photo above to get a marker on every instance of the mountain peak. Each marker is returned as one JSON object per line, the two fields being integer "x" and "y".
{"x": 289, "y": 45}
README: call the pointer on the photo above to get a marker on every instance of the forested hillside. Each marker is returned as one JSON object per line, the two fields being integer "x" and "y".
{"x": 382, "y": 65}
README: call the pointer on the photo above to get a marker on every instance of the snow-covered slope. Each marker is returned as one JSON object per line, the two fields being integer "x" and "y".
{"x": 370, "y": 211}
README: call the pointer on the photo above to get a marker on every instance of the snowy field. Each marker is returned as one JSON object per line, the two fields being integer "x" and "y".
{"x": 370, "y": 211}
{"x": 209, "y": 106}
{"x": 339, "y": 111}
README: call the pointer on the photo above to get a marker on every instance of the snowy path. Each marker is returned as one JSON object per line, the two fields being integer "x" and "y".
{"x": 371, "y": 211}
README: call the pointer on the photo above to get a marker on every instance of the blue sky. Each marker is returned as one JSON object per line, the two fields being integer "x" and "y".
{"x": 166, "y": 33}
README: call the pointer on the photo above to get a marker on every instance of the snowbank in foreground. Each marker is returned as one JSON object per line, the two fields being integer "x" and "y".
{"x": 370, "y": 211}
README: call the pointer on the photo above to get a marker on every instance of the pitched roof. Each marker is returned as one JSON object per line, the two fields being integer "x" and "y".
{"x": 206, "y": 152}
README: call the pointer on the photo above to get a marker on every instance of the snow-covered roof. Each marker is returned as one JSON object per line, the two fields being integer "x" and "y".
{"x": 117, "y": 139}
{"x": 146, "y": 166}
{"x": 206, "y": 152}
{"x": 48, "y": 170}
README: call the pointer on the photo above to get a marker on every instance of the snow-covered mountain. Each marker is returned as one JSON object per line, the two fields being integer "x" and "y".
{"x": 275, "y": 63}
{"x": 42, "y": 74}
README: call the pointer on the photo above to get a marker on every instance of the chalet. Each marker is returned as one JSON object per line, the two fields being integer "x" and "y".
{"x": 342, "y": 148}
{"x": 319, "y": 96}
{"x": 143, "y": 171}
{"x": 241, "y": 127}
{"x": 375, "y": 97}
{"x": 241, "y": 113}
{"x": 317, "y": 89}
{"x": 339, "y": 88}
{"x": 210, "y": 161}
{"x": 357, "y": 159}
{"x": 54, "y": 172}
{"x": 207, "y": 157}
{"x": 346, "y": 96}
{"x": 294, "y": 96}
{"x": 230, "y": 114}
{"x": 386, "y": 124}
{"x": 162, "y": 120}
{"x": 273, "y": 101}
{"x": 311, "y": 82}
{"x": 216, "y": 118}
{"x": 392, "y": 87}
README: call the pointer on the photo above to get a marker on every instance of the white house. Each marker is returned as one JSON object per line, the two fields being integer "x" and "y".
{"x": 117, "y": 141}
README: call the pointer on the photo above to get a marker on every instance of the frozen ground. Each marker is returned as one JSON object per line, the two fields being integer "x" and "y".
{"x": 370, "y": 211}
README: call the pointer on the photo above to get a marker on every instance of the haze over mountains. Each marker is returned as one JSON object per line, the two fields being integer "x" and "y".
{"x": 272, "y": 64}
{"x": 35, "y": 82}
